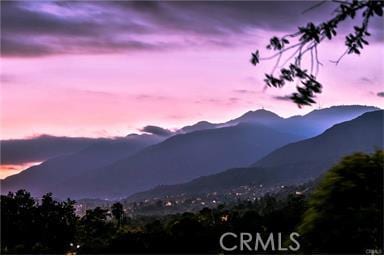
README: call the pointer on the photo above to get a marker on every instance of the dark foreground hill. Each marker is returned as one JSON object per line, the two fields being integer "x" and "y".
{"x": 294, "y": 163}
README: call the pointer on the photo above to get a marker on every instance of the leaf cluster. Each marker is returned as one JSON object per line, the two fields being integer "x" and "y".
{"x": 308, "y": 38}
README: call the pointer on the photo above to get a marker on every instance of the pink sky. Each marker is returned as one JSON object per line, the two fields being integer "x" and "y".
{"x": 115, "y": 93}
{"x": 110, "y": 95}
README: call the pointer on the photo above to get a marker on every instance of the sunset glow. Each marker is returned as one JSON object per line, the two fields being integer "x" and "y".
{"x": 189, "y": 75}
{"x": 189, "y": 127}
{"x": 9, "y": 169}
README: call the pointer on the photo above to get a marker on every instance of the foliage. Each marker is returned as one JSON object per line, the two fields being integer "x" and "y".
{"x": 94, "y": 230}
{"x": 28, "y": 227}
{"x": 347, "y": 204}
{"x": 343, "y": 215}
{"x": 183, "y": 233}
{"x": 117, "y": 212}
{"x": 307, "y": 40}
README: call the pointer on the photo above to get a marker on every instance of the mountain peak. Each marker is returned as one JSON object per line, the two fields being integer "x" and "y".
{"x": 257, "y": 116}
{"x": 202, "y": 125}
{"x": 261, "y": 112}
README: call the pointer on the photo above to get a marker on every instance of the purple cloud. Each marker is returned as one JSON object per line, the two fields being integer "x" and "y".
{"x": 32, "y": 29}
{"x": 156, "y": 130}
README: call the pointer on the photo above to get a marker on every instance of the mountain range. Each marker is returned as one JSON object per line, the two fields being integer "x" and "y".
{"x": 179, "y": 159}
{"x": 291, "y": 164}
{"x": 309, "y": 125}
{"x": 119, "y": 169}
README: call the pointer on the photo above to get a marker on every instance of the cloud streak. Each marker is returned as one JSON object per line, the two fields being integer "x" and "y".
{"x": 156, "y": 130}
{"x": 19, "y": 151}
{"x": 33, "y": 29}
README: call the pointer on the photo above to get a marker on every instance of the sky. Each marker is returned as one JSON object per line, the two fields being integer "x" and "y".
{"x": 104, "y": 69}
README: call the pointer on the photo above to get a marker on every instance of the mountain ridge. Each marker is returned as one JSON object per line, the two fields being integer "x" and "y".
{"x": 185, "y": 156}
{"x": 240, "y": 146}
{"x": 286, "y": 164}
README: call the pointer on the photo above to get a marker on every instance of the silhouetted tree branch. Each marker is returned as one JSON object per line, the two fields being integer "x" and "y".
{"x": 308, "y": 38}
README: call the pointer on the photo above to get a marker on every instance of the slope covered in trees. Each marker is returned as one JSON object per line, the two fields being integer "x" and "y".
{"x": 342, "y": 215}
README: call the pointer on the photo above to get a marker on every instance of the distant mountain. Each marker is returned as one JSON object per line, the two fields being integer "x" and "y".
{"x": 293, "y": 163}
{"x": 51, "y": 173}
{"x": 317, "y": 121}
{"x": 200, "y": 149}
{"x": 178, "y": 159}
{"x": 202, "y": 125}
{"x": 260, "y": 116}
{"x": 308, "y": 125}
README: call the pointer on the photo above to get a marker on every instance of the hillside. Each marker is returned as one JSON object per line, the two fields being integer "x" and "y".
{"x": 309, "y": 125}
{"x": 178, "y": 159}
{"x": 294, "y": 163}
{"x": 47, "y": 176}
{"x": 198, "y": 150}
